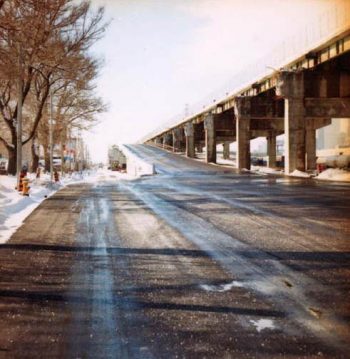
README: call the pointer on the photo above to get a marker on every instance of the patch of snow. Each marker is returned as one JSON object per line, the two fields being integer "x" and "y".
{"x": 262, "y": 324}
{"x": 137, "y": 166}
{"x": 229, "y": 162}
{"x": 221, "y": 287}
{"x": 14, "y": 207}
{"x": 297, "y": 173}
{"x": 334, "y": 174}
{"x": 265, "y": 170}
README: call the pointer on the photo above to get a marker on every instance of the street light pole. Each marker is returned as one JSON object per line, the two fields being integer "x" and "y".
{"x": 51, "y": 138}
{"x": 19, "y": 117}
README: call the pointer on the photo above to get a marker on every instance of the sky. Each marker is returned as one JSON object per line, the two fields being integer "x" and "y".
{"x": 162, "y": 56}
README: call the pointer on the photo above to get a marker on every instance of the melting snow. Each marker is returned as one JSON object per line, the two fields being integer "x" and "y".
{"x": 14, "y": 207}
{"x": 262, "y": 324}
{"x": 334, "y": 174}
{"x": 265, "y": 170}
{"x": 297, "y": 173}
{"x": 221, "y": 287}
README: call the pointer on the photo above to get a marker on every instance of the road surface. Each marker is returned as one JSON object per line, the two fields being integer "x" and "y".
{"x": 198, "y": 261}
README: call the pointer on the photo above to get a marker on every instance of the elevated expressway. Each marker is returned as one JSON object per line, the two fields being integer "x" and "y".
{"x": 296, "y": 100}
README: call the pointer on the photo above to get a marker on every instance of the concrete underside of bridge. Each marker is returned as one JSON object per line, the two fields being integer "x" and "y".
{"x": 301, "y": 102}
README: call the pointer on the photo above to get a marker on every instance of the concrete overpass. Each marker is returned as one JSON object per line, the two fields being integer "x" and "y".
{"x": 296, "y": 100}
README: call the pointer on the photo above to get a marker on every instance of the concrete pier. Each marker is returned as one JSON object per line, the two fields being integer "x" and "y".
{"x": 271, "y": 150}
{"x": 189, "y": 133}
{"x": 242, "y": 112}
{"x": 179, "y": 143}
{"x": 310, "y": 147}
{"x": 226, "y": 150}
{"x": 210, "y": 138}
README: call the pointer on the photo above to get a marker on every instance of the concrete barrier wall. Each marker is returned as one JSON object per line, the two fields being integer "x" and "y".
{"x": 135, "y": 165}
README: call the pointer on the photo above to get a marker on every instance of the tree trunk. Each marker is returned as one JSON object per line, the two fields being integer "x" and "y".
{"x": 62, "y": 151}
{"x": 12, "y": 165}
{"x": 35, "y": 157}
{"x": 12, "y": 154}
{"x": 47, "y": 158}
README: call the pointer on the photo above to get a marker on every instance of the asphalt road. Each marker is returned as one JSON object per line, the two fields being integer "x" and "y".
{"x": 197, "y": 261}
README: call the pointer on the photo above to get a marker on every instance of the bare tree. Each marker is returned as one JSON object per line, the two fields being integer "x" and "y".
{"x": 53, "y": 36}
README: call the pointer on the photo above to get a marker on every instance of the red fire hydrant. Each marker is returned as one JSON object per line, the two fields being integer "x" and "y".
{"x": 22, "y": 174}
{"x": 26, "y": 188}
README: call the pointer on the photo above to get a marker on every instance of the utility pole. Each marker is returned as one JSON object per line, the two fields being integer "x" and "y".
{"x": 63, "y": 138}
{"x": 51, "y": 138}
{"x": 19, "y": 115}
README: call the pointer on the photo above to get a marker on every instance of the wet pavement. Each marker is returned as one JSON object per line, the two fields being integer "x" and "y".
{"x": 198, "y": 261}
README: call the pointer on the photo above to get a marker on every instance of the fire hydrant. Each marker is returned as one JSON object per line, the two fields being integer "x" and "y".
{"x": 21, "y": 177}
{"x": 25, "y": 185}
{"x": 56, "y": 176}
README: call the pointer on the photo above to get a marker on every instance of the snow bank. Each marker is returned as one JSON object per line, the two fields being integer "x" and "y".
{"x": 14, "y": 207}
{"x": 135, "y": 165}
{"x": 297, "y": 173}
{"x": 266, "y": 170}
{"x": 334, "y": 174}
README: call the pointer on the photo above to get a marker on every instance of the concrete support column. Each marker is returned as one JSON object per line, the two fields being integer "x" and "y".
{"x": 242, "y": 113}
{"x": 210, "y": 138}
{"x": 177, "y": 138}
{"x": 310, "y": 144}
{"x": 291, "y": 87}
{"x": 294, "y": 124}
{"x": 199, "y": 147}
{"x": 158, "y": 141}
{"x": 226, "y": 150}
{"x": 189, "y": 133}
{"x": 168, "y": 140}
{"x": 271, "y": 150}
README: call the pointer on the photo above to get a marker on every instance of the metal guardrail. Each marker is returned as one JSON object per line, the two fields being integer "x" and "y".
{"x": 328, "y": 25}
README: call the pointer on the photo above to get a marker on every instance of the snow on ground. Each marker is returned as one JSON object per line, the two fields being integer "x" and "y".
{"x": 220, "y": 287}
{"x": 334, "y": 174}
{"x": 262, "y": 324}
{"x": 221, "y": 161}
{"x": 297, "y": 173}
{"x": 266, "y": 170}
{"x": 14, "y": 207}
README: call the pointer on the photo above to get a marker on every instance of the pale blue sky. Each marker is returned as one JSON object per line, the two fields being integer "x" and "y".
{"x": 160, "y": 55}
